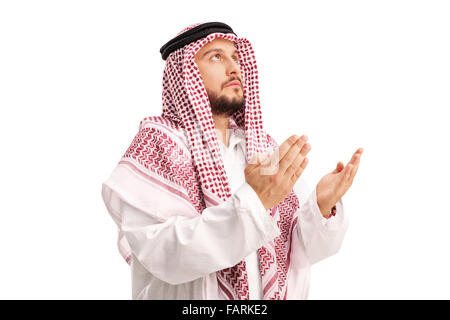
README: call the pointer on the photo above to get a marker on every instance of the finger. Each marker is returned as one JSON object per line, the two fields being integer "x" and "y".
{"x": 353, "y": 159}
{"x": 292, "y": 154}
{"x": 352, "y": 174}
{"x": 299, "y": 170}
{"x": 305, "y": 148}
{"x": 291, "y": 171}
{"x": 356, "y": 158}
{"x": 355, "y": 155}
{"x": 355, "y": 169}
{"x": 299, "y": 160}
{"x": 270, "y": 164}
{"x": 348, "y": 171}
{"x": 350, "y": 165}
{"x": 304, "y": 164}
{"x": 286, "y": 145}
{"x": 351, "y": 168}
{"x": 339, "y": 167}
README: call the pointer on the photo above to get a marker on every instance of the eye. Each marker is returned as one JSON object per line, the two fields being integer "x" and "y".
{"x": 236, "y": 59}
{"x": 216, "y": 55}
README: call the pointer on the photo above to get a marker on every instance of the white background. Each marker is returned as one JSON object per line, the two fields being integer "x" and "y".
{"x": 76, "y": 78}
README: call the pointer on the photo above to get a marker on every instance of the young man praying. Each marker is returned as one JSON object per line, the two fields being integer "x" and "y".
{"x": 207, "y": 204}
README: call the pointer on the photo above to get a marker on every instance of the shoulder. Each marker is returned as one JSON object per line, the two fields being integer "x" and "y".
{"x": 160, "y": 128}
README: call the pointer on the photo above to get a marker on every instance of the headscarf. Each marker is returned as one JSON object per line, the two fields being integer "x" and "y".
{"x": 197, "y": 167}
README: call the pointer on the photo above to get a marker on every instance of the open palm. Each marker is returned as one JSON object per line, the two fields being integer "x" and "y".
{"x": 336, "y": 183}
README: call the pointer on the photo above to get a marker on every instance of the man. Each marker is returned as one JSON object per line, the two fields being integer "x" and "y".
{"x": 208, "y": 206}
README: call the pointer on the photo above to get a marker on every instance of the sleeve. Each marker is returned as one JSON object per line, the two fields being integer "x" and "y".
{"x": 322, "y": 237}
{"x": 182, "y": 248}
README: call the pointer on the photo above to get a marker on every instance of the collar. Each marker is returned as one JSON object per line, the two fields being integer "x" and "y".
{"x": 237, "y": 136}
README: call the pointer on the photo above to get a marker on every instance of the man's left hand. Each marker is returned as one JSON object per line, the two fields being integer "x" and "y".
{"x": 336, "y": 183}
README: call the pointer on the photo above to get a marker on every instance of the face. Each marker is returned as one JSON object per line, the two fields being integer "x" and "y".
{"x": 219, "y": 68}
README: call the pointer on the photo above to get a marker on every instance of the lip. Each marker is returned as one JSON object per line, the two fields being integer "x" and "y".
{"x": 234, "y": 83}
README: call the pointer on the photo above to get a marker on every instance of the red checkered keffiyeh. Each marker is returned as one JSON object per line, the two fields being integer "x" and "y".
{"x": 180, "y": 152}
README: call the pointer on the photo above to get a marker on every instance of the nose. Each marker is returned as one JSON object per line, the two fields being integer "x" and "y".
{"x": 233, "y": 69}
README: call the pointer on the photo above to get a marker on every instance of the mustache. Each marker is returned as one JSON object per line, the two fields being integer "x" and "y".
{"x": 232, "y": 79}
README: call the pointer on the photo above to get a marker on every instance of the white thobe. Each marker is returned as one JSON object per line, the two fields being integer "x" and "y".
{"x": 173, "y": 259}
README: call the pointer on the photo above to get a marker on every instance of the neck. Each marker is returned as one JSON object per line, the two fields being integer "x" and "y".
{"x": 222, "y": 124}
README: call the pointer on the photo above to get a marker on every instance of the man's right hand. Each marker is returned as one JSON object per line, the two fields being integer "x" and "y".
{"x": 274, "y": 177}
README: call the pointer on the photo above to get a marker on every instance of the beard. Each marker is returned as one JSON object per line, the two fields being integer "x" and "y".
{"x": 224, "y": 106}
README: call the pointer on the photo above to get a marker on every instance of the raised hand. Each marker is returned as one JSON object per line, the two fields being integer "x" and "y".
{"x": 274, "y": 177}
{"x": 336, "y": 183}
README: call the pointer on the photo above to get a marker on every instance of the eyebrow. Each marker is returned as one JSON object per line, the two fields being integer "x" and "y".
{"x": 217, "y": 50}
